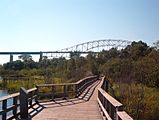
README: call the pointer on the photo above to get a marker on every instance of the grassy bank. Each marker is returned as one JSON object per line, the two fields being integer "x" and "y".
{"x": 140, "y": 101}
{"x": 14, "y": 85}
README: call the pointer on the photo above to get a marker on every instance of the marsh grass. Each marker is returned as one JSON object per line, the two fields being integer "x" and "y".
{"x": 140, "y": 101}
{"x": 14, "y": 85}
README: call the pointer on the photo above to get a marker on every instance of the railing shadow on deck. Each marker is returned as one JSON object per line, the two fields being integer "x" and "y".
{"x": 68, "y": 102}
{"x": 33, "y": 111}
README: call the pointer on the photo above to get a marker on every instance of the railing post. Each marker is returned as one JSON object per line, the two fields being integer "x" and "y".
{"x": 65, "y": 91}
{"x": 31, "y": 101}
{"x": 36, "y": 98}
{"x": 15, "y": 104}
{"x": 76, "y": 90}
{"x": 53, "y": 92}
{"x": 106, "y": 85}
{"x": 4, "y": 107}
{"x": 23, "y": 103}
{"x": 119, "y": 108}
{"x": 37, "y": 93}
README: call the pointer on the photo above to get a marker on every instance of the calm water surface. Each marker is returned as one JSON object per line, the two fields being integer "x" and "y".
{"x": 3, "y": 93}
{"x": 9, "y": 102}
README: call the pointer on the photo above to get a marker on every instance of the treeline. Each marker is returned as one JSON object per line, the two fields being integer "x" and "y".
{"x": 136, "y": 63}
{"x": 71, "y": 69}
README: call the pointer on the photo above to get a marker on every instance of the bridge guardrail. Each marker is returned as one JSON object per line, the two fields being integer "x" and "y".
{"x": 110, "y": 107}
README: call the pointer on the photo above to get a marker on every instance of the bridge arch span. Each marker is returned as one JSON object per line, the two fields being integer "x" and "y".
{"x": 98, "y": 45}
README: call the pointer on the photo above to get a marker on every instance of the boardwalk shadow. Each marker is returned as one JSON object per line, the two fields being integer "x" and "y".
{"x": 84, "y": 97}
{"x": 34, "y": 110}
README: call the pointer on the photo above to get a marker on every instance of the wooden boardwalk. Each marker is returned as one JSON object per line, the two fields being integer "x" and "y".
{"x": 83, "y": 108}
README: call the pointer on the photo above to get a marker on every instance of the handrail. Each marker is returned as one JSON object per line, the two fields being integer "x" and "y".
{"x": 122, "y": 115}
{"x": 14, "y": 104}
{"x": 9, "y": 96}
{"x": 63, "y": 90}
{"x": 46, "y": 85}
{"x": 21, "y": 102}
{"x": 110, "y": 107}
{"x": 109, "y": 98}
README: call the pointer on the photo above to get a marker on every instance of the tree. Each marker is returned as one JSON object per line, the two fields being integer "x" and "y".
{"x": 25, "y": 57}
{"x": 15, "y": 65}
{"x": 148, "y": 69}
{"x": 156, "y": 45}
{"x": 135, "y": 51}
{"x": 75, "y": 54}
{"x": 92, "y": 65}
{"x": 48, "y": 76}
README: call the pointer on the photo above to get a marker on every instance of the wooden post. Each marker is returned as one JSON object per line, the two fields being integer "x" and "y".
{"x": 30, "y": 101}
{"x": 65, "y": 91}
{"x": 23, "y": 103}
{"x": 76, "y": 90}
{"x": 15, "y": 104}
{"x": 109, "y": 109}
{"x": 37, "y": 93}
{"x": 4, "y": 107}
{"x": 106, "y": 85}
{"x": 119, "y": 108}
{"x": 36, "y": 98}
{"x": 53, "y": 92}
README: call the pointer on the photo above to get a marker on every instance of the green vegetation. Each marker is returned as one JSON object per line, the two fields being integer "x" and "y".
{"x": 141, "y": 102}
{"x": 137, "y": 63}
{"x": 133, "y": 73}
{"x": 134, "y": 77}
{"x": 28, "y": 73}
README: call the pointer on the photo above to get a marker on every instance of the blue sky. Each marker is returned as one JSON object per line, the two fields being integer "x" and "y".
{"x": 45, "y": 25}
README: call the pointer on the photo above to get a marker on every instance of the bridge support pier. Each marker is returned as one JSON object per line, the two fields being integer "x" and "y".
{"x": 41, "y": 56}
{"x": 11, "y": 58}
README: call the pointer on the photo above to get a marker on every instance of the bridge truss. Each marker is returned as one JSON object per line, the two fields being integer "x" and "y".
{"x": 87, "y": 47}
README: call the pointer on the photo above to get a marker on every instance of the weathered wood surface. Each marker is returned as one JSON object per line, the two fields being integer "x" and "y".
{"x": 83, "y": 108}
{"x": 122, "y": 115}
{"x": 110, "y": 107}
{"x": 109, "y": 98}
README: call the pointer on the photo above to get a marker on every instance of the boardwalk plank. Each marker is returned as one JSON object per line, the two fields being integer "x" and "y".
{"x": 75, "y": 109}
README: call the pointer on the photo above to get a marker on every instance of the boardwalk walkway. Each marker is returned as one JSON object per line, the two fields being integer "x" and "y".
{"x": 83, "y": 108}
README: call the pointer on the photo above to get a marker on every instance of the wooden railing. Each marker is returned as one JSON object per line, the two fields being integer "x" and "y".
{"x": 66, "y": 90}
{"x": 15, "y": 104}
{"x": 110, "y": 107}
{"x": 5, "y": 108}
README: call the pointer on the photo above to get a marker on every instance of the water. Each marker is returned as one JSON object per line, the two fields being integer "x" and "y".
{"x": 9, "y": 102}
{"x": 3, "y": 93}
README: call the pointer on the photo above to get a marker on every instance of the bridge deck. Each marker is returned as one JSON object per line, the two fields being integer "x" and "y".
{"x": 83, "y": 108}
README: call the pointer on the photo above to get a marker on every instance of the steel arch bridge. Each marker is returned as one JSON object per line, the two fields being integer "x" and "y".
{"x": 88, "y": 47}
{"x": 92, "y": 46}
